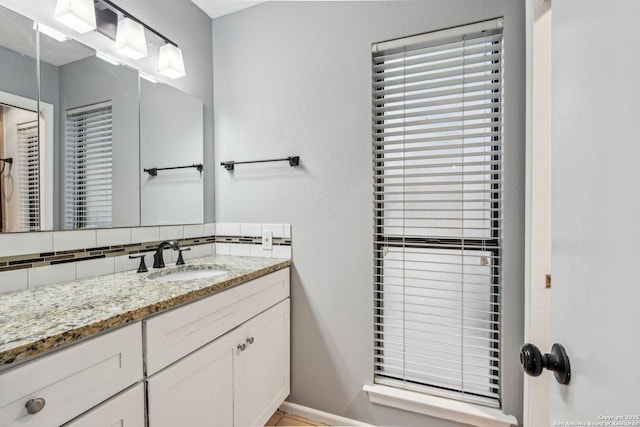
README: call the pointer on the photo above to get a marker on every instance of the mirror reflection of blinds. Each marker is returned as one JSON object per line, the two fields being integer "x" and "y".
{"x": 29, "y": 176}
{"x": 437, "y": 127}
{"x": 88, "y": 166}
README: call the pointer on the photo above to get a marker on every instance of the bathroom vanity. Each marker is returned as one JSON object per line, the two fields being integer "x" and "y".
{"x": 212, "y": 351}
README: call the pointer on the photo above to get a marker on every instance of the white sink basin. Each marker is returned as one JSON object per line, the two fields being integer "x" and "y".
{"x": 186, "y": 273}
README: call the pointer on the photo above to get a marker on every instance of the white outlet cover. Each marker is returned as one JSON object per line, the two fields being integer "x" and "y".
{"x": 267, "y": 240}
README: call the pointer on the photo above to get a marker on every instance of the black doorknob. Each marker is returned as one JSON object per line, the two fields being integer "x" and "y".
{"x": 533, "y": 362}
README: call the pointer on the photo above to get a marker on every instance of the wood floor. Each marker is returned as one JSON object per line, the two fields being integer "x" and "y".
{"x": 283, "y": 419}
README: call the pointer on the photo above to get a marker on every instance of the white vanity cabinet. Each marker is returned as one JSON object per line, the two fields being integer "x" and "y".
{"x": 222, "y": 360}
{"x": 239, "y": 375}
{"x": 59, "y": 387}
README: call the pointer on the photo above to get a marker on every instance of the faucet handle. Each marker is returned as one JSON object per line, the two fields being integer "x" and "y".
{"x": 143, "y": 267}
{"x": 180, "y": 259}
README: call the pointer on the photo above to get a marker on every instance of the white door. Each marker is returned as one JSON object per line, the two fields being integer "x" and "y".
{"x": 538, "y": 229}
{"x": 596, "y": 210}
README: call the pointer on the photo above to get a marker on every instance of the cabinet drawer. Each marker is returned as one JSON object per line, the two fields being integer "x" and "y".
{"x": 125, "y": 410}
{"x": 172, "y": 335}
{"x": 73, "y": 380}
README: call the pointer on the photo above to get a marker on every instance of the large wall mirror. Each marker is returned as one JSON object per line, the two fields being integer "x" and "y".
{"x": 76, "y": 133}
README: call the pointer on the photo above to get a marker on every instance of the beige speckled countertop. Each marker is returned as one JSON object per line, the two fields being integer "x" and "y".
{"x": 36, "y": 321}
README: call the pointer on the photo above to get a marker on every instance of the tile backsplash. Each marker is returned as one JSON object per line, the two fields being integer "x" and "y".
{"x": 30, "y": 260}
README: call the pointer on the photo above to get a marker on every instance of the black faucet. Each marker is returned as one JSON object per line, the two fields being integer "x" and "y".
{"x": 158, "y": 259}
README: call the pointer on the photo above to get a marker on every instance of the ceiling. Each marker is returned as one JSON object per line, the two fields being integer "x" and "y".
{"x": 216, "y": 8}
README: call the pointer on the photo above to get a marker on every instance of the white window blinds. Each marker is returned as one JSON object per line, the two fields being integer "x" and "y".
{"x": 437, "y": 112}
{"x": 88, "y": 166}
{"x": 29, "y": 173}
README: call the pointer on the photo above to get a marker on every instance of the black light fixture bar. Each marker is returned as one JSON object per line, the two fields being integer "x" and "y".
{"x": 133, "y": 18}
{"x": 154, "y": 171}
{"x": 293, "y": 161}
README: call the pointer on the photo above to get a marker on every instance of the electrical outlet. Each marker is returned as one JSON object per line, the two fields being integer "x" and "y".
{"x": 267, "y": 240}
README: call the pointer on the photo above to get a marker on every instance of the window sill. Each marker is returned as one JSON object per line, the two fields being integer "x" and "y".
{"x": 439, "y": 407}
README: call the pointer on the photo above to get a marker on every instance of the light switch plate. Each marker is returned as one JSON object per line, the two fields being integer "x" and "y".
{"x": 267, "y": 240}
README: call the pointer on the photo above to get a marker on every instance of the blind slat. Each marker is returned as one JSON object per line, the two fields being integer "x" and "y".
{"x": 464, "y": 66}
{"x": 382, "y": 70}
{"x": 407, "y": 92}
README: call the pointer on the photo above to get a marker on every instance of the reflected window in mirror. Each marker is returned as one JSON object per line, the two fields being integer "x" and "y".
{"x": 29, "y": 172}
{"x": 20, "y": 174}
{"x": 88, "y": 166}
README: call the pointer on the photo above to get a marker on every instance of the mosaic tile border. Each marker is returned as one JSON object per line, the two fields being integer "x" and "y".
{"x": 19, "y": 262}
{"x": 277, "y": 241}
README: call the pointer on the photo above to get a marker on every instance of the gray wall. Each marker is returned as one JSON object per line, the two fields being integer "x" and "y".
{"x": 184, "y": 23}
{"x": 293, "y": 78}
{"x": 19, "y": 74}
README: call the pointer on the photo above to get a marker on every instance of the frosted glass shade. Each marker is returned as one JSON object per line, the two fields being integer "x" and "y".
{"x": 130, "y": 39}
{"x": 170, "y": 62}
{"x": 79, "y": 15}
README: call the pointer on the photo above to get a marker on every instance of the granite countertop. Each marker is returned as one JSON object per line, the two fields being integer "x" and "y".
{"x": 36, "y": 321}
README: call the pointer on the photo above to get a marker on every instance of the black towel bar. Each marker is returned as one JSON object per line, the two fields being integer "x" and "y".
{"x": 154, "y": 171}
{"x": 293, "y": 161}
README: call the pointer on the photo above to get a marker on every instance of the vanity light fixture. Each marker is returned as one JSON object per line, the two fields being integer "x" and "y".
{"x": 130, "y": 39}
{"x": 170, "y": 61}
{"x": 129, "y": 32}
{"x": 79, "y": 15}
{"x": 54, "y": 34}
{"x": 107, "y": 58}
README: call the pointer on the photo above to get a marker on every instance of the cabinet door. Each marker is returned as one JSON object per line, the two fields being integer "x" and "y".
{"x": 261, "y": 370}
{"x": 197, "y": 391}
{"x": 73, "y": 380}
{"x": 125, "y": 410}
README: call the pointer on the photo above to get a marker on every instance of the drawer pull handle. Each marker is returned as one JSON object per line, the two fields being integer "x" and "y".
{"x": 241, "y": 347}
{"x": 250, "y": 340}
{"x": 35, "y": 405}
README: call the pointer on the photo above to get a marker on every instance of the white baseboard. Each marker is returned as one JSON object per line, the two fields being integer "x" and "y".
{"x": 321, "y": 416}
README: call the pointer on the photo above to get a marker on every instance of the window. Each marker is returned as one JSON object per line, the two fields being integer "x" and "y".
{"x": 29, "y": 171}
{"x": 88, "y": 166}
{"x": 437, "y": 147}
